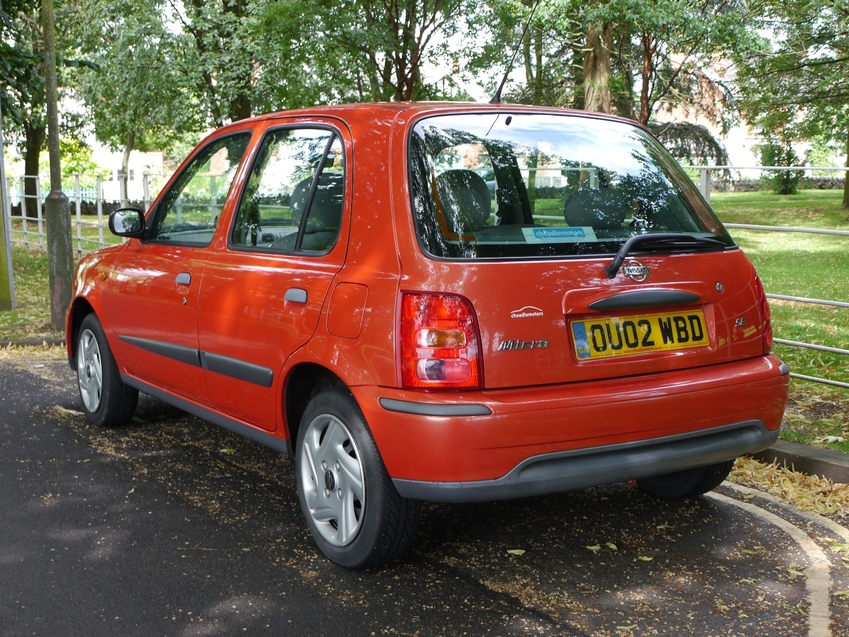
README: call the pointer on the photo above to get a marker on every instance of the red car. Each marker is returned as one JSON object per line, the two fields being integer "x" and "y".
{"x": 444, "y": 302}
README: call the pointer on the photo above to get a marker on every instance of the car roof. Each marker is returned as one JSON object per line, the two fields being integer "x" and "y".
{"x": 385, "y": 112}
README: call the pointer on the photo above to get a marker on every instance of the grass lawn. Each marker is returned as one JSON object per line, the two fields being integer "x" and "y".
{"x": 31, "y": 317}
{"x": 803, "y": 265}
{"x": 808, "y": 208}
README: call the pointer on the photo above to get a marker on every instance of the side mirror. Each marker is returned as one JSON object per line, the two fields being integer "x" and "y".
{"x": 127, "y": 222}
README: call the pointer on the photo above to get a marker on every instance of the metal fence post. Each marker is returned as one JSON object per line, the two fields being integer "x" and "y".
{"x": 99, "y": 194}
{"x": 39, "y": 208}
{"x": 704, "y": 184}
{"x": 78, "y": 196}
{"x": 122, "y": 188}
{"x": 24, "y": 212}
{"x": 146, "y": 191}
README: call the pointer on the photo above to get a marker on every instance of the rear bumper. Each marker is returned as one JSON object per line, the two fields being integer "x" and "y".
{"x": 494, "y": 444}
{"x": 569, "y": 470}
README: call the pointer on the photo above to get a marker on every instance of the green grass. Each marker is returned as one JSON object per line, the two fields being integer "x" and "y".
{"x": 802, "y": 265}
{"x": 809, "y": 208}
{"x": 31, "y": 317}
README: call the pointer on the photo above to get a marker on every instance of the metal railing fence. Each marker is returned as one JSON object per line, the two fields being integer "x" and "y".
{"x": 706, "y": 173}
{"x": 705, "y": 186}
{"x": 89, "y": 208}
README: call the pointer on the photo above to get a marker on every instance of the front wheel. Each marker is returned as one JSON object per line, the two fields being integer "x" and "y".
{"x": 106, "y": 399}
{"x": 353, "y": 510}
{"x": 688, "y": 483}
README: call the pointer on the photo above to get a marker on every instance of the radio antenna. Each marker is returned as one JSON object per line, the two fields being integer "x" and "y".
{"x": 496, "y": 99}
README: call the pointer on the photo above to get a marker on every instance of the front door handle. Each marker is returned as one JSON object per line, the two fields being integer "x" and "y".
{"x": 184, "y": 278}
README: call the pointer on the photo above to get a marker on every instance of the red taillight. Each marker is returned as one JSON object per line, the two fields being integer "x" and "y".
{"x": 440, "y": 342}
{"x": 766, "y": 316}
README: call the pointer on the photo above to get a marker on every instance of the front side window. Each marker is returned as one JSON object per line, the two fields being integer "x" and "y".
{"x": 532, "y": 185}
{"x": 294, "y": 197}
{"x": 190, "y": 209}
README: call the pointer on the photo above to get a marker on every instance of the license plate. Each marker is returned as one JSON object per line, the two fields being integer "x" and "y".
{"x": 625, "y": 336}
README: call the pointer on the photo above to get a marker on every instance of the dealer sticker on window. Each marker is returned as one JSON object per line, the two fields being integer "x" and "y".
{"x": 617, "y": 336}
{"x": 559, "y": 235}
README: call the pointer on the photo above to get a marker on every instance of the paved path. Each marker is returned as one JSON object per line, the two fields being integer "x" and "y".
{"x": 171, "y": 526}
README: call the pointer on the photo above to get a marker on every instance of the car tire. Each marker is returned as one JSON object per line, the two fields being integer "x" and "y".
{"x": 688, "y": 483}
{"x": 107, "y": 400}
{"x": 352, "y": 509}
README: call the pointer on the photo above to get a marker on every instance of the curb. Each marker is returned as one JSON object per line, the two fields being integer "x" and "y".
{"x": 827, "y": 463}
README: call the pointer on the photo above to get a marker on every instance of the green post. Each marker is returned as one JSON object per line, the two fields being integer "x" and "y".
{"x": 7, "y": 282}
{"x": 57, "y": 211}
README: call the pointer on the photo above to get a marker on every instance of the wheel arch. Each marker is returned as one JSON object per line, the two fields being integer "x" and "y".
{"x": 302, "y": 383}
{"x": 80, "y": 308}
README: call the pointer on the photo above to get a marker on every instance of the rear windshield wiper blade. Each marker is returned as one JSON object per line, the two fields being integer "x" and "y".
{"x": 661, "y": 241}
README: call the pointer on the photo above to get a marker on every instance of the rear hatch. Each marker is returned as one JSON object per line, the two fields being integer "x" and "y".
{"x": 583, "y": 249}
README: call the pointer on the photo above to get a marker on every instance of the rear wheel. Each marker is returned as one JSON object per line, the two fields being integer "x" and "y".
{"x": 688, "y": 483}
{"x": 107, "y": 401}
{"x": 352, "y": 509}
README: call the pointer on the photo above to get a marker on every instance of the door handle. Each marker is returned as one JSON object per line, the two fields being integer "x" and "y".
{"x": 296, "y": 295}
{"x": 184, "y": 278}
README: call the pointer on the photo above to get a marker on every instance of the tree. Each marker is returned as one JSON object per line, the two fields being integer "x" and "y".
{"x": 23, "y": 91}
{"x": 136, "y": 98}
{"x": 628, "y": 56}
{"x": 217, "y": 46}
{"x": 19, "y": 77}
{"x": 796, "y": 86}
{"x": 377, "y": 49}
{"x": 548, "y": 53}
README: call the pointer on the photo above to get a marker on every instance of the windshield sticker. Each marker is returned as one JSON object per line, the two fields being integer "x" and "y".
{"x": 559, "y": 235}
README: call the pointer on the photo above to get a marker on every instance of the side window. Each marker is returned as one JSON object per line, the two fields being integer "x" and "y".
{"x": 295, "y": 193}
{"x": 189, "y": 211}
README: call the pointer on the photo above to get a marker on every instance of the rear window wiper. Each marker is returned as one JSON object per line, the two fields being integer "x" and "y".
{"x": 661, "y": 242}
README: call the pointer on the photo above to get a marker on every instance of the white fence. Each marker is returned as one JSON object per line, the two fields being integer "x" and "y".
{"x": 89, "y": 210}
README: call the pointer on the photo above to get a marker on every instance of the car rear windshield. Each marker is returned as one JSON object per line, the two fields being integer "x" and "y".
{"x": 489, "y": 185}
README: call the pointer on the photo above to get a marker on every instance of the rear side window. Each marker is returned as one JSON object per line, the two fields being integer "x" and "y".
{"x": 295, "y": 193}
{"x": 532, "y": 185}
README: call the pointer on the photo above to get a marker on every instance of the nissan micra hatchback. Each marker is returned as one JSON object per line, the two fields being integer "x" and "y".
{"x": 436, "y": 302}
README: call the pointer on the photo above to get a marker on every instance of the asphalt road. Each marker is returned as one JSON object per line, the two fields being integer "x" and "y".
{"x": 173, "y": 527}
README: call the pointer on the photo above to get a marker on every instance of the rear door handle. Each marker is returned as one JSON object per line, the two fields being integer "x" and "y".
{"x": 296, "y": 295}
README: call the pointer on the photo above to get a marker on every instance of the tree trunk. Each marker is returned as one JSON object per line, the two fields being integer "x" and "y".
{"x": 577, "y": 64}
{"x": 241, "y": 107}
{"x": 538, "y": 64}
{"x": 625, "y": 100}
{"x": 35, "y": 137}
{"x": 597, "y": 69}
{"x": 846, "y": 175}
{"x": 648, "y": 53}
{"x": 125, "y": 168}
